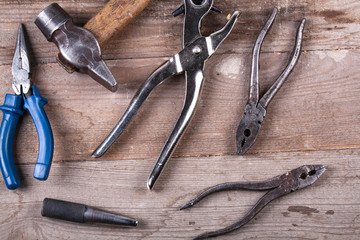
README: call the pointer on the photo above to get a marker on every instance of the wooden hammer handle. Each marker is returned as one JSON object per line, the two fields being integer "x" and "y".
{"x": 113, "y": 17}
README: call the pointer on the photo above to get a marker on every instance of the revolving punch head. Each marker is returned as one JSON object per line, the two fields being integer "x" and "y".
{"x": 181, "y": 10}
{"x": 79, "y": 50}
{"x": 255, "y": 109}
{"x": 278, "y": 186}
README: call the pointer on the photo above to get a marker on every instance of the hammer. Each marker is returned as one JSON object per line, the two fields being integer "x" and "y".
{"x": 79, "y": 47}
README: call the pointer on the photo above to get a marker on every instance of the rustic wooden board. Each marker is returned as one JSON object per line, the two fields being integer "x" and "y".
{"x": 316, "y": 96}
{"x": 314, "y": 119}
{"x": 331, "y": 25}
{"x": 329, "y": 209}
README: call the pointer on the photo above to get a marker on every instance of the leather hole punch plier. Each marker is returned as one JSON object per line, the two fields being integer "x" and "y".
{"x": 255, "y": 109}
{"x": 279, "y": 186}
{"x": 191, "y": 60}
{"x": 26, "y": 97}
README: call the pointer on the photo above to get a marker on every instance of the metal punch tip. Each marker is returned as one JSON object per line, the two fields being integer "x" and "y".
{"x": 181, "y": 10}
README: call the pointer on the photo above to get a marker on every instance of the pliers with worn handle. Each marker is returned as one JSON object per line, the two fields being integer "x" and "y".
{"x": 26, "y": 97}
{"x": 279, "y": 186}
{"x": 255, "y": 109}
{"x": 196, "y": 50}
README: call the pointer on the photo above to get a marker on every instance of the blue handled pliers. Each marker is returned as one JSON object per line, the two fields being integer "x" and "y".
{"x": 26, "y": 97}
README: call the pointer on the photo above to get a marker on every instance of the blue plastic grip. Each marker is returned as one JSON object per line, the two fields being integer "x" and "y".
{"x": 35, "y": 106}
{"x": 12, "y": 111}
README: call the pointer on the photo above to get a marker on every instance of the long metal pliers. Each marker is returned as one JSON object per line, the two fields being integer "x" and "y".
{"x": 255, "y": 109}
{"x": 279, "y": 186}
{"x": 191, "y": 60}
{"x": 26, "y": 97}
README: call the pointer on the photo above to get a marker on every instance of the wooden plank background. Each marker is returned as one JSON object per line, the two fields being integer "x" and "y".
{"x": 314, "y": 119}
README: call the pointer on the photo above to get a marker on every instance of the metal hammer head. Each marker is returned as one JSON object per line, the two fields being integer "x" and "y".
{"x": 79, "y": 49}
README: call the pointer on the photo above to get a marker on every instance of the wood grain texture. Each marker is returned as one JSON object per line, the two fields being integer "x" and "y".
{"x": 113, "y": 17}
{"x": 298, "y": 119}
{"x": 156, "y": 33}
{"x": 329, "y": 209}
{"x": 314, "y": 119}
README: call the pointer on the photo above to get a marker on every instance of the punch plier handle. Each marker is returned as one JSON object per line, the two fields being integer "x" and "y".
{"x": 29, "y": 98}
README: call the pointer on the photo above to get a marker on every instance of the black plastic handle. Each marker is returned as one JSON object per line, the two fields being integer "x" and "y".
{"x": 68, "y": 211}
{"x": 81, "y": 213}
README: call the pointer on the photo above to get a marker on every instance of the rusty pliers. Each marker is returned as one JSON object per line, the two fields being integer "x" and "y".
{"x": 279, "y": 186}
{"x": 196, "y": 50}
{"x": 255, "y": 109}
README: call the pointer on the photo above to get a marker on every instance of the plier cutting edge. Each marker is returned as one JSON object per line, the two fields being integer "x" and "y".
{"x": 196, "y": 50}
{"x": 26, "y": 97}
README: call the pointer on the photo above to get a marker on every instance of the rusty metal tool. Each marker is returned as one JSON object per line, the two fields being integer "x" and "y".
{"x": 279, "y": 186}
{"x": 26, "y": 97}
{"x": 191, "y": 60}
{"x": 79, "y": 47}
{"x": 75, "y": 212}
{"x": 255, "y": 109}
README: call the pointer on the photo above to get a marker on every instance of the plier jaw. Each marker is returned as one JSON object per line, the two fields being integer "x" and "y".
{"x": 249, "y": 127}
{"x": 21, "y": 65}
{"x": 304, "y": 176}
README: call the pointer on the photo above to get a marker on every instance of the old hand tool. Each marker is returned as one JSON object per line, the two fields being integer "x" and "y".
{"x": 80, "y": 47}
{"x": 81, "y": 213}
{"x": 255, "y": 109}
{"x": 279, "y": 186}
{"x": 181, "y": 9}
{"x": 191, "y": 60}
{"x": 29, "y": 98}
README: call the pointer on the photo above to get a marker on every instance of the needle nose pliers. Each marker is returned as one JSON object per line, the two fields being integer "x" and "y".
{"x": 26, "y": 97}
{"x": 279, "y": 186}
{"x": 255, "y": 109}
{"x": 197, "y": 49}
